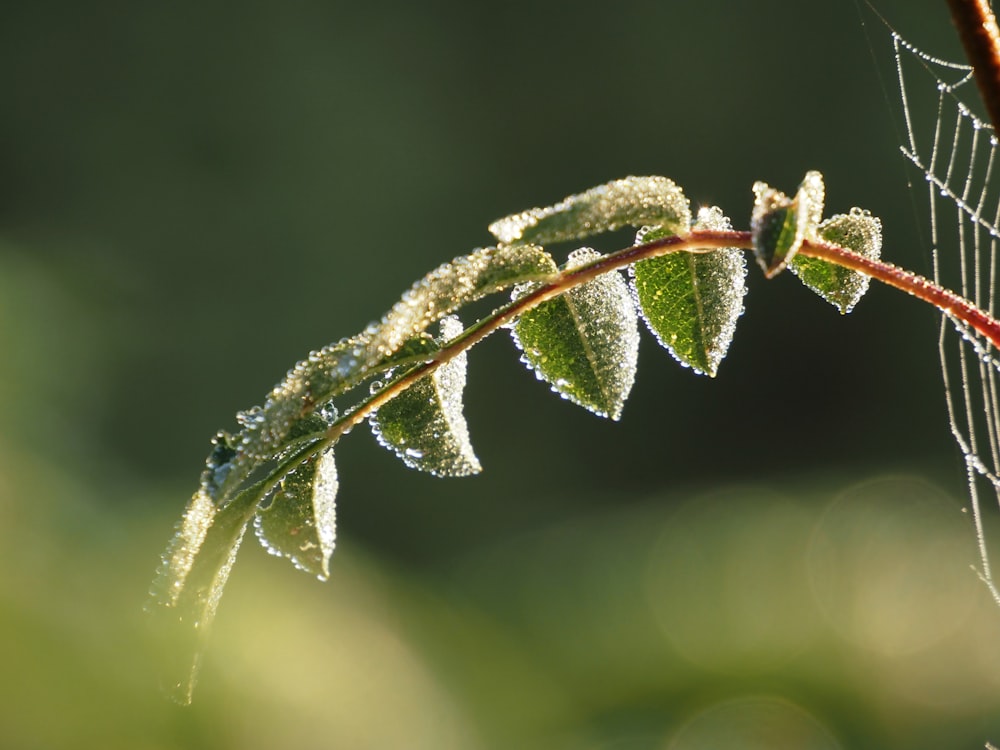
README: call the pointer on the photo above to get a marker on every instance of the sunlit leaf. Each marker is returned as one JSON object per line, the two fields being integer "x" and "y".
{"x": 778, "y": 225}
{"x": 300, "y": 522}
{"x": 452, "y": 285}
{"x": 584, "y": 343}
{"x": 841, "y": 287}
{"x": 632, "y": 201}
{"x": 691, "y": 301}
{"x": 183, "y": 548}
{"x": 191, "y": 579}
{"x": 425, "y": 425}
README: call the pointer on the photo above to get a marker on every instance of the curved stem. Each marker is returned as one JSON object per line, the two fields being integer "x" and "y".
{"x": 943, "y": 299}
{"x": 698, "y": 241}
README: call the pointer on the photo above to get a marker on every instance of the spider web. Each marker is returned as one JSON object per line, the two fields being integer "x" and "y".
{"x": 956, "y": 154}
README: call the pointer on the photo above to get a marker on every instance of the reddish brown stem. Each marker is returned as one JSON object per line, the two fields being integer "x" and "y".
{"x": 697, "y": 241}
{"x": 944, "y": 300}
{"x": 977, "y": 28}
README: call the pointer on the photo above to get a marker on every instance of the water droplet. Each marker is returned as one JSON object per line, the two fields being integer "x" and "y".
{"x": 328, "y": 412}
{"x": 250, "y": 417}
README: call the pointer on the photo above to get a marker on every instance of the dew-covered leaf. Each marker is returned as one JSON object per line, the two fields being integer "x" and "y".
{"x": 300, "y": 522}
{"x": 691, "y": 301}
{"x": 184, "y": 547}
{"x": 632, "y": 201}
{"x": 585, "y": 342}
{"x": 841, "y": 287}
{"x": 452, "y": 285}
{"x": 779, "y": 225}
{"x": 190, "y": 581}
{"x": 425, "y": 425}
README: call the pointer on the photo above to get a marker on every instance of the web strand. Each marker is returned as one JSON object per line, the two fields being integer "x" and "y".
{"x": 956, "y": 152}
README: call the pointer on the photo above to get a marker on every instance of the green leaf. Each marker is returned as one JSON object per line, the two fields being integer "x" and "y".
{"x": 585, "y": 342}
{"x": 190, "y": 581}
{"x": 632, "y": 201}
{"x": 453, "y": 285}
{"x": 691, "y": 301}
{"x": 779, "y": 225}
{"x": 841, "y": 287}
{"x": 300, "y": 522}
{"x": 425, "y": 425}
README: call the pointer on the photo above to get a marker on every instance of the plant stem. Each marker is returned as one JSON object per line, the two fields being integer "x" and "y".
{"x": 977, "y": 28}
{"x": 697, "y": 241}
{"x": 943, "y": 299}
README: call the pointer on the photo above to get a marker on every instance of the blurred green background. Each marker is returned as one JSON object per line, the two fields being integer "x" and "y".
{"x": 194, "y": 195}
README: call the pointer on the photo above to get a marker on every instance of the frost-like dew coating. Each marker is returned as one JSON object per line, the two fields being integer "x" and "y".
{"x": 300, "y": 522}
{"x": 325, "y": 487}
{"x": 810, "y": 199}
{"x": 857, "y": 230}
{"x": 691, "y": 301}
{"x": 324, "y": 373}
{"x": 180, "y": 555}
{"x": 631, "y": 201}
{"x": 192, "y": 578}
{"x": 425, "y": 424}
{"x": 455, "y": 284}
{"x": 585, "y": 343}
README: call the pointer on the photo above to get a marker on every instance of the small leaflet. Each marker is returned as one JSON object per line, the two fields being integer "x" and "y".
{"x": 300, "y": 522}
{"x": 425, "y": 424}
{"x": 842, "y": 287}
{"x": 584, "y": 343}
{"x": 691, "y": 301}
{"x": 779, "y": 225}
{"x": 632, "y": 201}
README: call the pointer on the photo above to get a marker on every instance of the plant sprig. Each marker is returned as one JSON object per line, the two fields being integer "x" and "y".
{"x": 576, "y": 327}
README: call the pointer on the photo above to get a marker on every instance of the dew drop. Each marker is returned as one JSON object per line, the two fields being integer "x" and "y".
{"x": 329, "y": 413}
